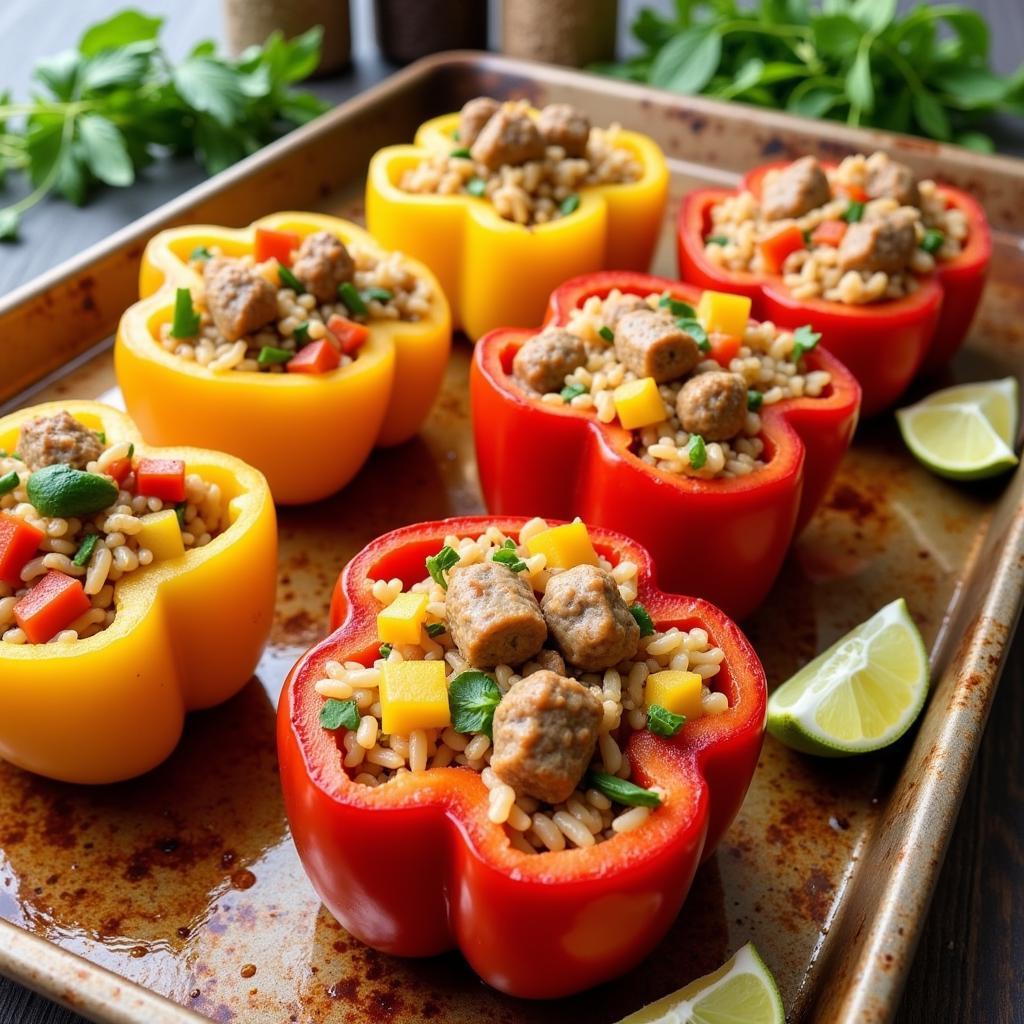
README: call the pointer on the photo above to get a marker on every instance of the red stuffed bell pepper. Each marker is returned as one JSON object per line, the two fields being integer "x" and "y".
{"x": 724, "y": 538}
{"x": 883, "y": 343}
{"x": 422, "y": 864}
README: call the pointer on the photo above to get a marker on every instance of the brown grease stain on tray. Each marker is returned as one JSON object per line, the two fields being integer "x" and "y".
{"x": 187, "y": 882}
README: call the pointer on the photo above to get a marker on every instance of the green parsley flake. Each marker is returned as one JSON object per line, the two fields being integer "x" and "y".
{"x": 435, "y": 629}
{"x": 472, "y": 698}
{"x": 476, "y": 187}
{"x": 460, "y": 154}
{"x": 571, "y": 391}
{"x": 622, "y": 791}
{"x": 853, "y": 212}
{"x": 606, "y": 333}
{"x": 437, "y": 565}
{"x": 805, "y": 339}
{"x": 85, "y": 550}
{"x": 663, "y": 722}
{"x": 694, "y": 329}
{"x": 186, "y": 320}
{"x": 179, "y": 511}
{"x": 382, "y": 295}
{"x": 716, "y": 240}
{"x": 200, "y": 254}
{"x": 932, "y": 241}
{"x": 570, "y": 204}
{"x": 676, "y": 307}
{"x": 754, "y": 400}
{"x": 385, "y": 651}
{"x": 9, "y": 481}
{"x": 643, "y": 618}
{"x": 697, "y": 451}
{"x": 339, "y": 714}
{"x": 507, "y": 555}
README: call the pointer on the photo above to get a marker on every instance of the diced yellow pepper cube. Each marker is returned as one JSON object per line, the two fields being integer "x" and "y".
{"x": 638, "y": 403}
{"x": 413, "y": 695}
{"x": 722, "y": 313}
{"x": 400, "y": 622}
{"x": 564, "y": 546}
{"x": 678, "y": 692}
{"x": 161, "y": 533}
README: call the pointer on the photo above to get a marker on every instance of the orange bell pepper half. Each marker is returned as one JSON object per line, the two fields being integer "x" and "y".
{"x": 50, "y": 606}
{"x": 19, "y": 542}
{"x": 381, "y": 398}
{"x": 316, "y": 357}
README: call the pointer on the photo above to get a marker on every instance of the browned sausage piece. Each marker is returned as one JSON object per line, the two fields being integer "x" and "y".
{"x": 563, "y": 125}
{"x": 588, "y": 619}
{"x": 473, "y": 116}
{"x": 616, "y": 307}
{"x": 493, "y": 615}
{"x": 713, "y": 405}
{"x": 322, "y": 263}
{"x": 894, "y": 180}
{"x": 884, "y": 243}
{"x": 60, "y": 438}
{"x": 239, "y": 300}
{"x": 545, "y": 730}
{"x": 543, "y": 362}
{"x": 509, "y": 137}
{"x": 796, "y": 189}
{"x": 651, "y": 345}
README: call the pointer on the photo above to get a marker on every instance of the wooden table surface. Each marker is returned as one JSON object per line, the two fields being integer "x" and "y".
{"x": 970, "y": 964}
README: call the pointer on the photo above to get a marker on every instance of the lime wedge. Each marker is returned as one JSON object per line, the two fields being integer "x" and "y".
{"x": 741, "y": 991}
{"x": 862, "y": 694}
{"x": 965, "y": 432}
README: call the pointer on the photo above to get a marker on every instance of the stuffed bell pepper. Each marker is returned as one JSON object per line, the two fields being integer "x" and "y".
{"x": 298, "y": 331}
{"x": 515, "y": 744}
{"x": 890, "y": 269}
{"x": 505, "y": 201}
{"x": 136, "y": 584}
{"x": 645, "y": 405}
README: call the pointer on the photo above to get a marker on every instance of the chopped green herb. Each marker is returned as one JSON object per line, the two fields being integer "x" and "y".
{"x": 352, "y": 299}
{"x": 606, "y": 333}
{"x": 754, "y": 400}
{"x": 437, "y": 565}
{"x": 456, "y": 136}
{"x": 571, "y": 391}
{"x": 436, "y": 629}
{"x": 460, "y": 154}
{"x": 476, "y": 187}
{"x": 472, "y": 698}
{"x": 271, "y": 356}
{"x": 716, "y": 240}
{"x": 853, "y": 212}
{"x": 289, "y": 280}
{"x": 200, "y": 253}
{"x": 643, "y": 618}
{"x": 932, "y": 241}
{"x": 694, "y": 329}
{"x": 85, "y": 550}
{"x": 808, "y": 239}
{"x": 697, "y": 451}
{"x": 377, "y": 295}
{"x": 805, "y": 339}
{"x": 338, "y": 714}
{"x": 622, "y": 791}
{"x": 102, "y": 435}
{"x": 663, "y": 722}
{"x": 506, "y": 555}
{"x": 385, "y": 651}
{"x": 570, "y": 204}
{"x": 301, "y": 334}
{"x": 131, "y": 450}
{"x": 9, "y": 481}
{"x": 179, "y": 511}
{"x": 676, "y": 307}
{"x": 186, "y": 320}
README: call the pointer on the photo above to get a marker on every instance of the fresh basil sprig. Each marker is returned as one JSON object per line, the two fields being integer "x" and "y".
{"x": 925, "y": 71}
{"x": 101, "y": 112}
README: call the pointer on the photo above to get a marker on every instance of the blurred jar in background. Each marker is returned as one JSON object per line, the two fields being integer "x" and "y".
{"x": 409, "y": 29}
{"x": 573, "y": 32}
{"x": 249, "y": 22}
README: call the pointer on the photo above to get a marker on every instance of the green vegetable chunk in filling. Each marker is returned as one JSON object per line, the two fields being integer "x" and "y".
{"x": 621, "y": 791}
{"x": 185, "y": 323}
{"x": 472, "y": 698}
{"x": 663, "y": 722}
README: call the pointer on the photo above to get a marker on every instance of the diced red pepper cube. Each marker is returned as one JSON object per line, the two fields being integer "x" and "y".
{"x": 854, "y": 193}
{"x": 119, "y": 470}
{"x": 829, "y": 232}
{"x": 317, "y": 357}
{"x": 724, "y": 348}
{"x": 775, "y": 248}
{"x": 276, "y": 245}
{"x": 50, "y": 606}
{"x": 19, "y": 542}
{"x": 161, "y": 478}
{"x": 350, "y": 334}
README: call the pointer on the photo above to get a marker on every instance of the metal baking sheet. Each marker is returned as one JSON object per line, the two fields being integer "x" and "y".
{"x": 180, "y": 894}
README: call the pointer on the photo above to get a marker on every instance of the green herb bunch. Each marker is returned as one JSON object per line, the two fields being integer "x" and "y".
{"x": 925, "y": 72}
{"x": 116, "y": 102}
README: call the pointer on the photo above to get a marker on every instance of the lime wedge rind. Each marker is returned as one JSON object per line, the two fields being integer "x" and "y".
{"x": 964, "y": 432}
{"x": 877, "y": 702}
{"x": 741, "y": 990}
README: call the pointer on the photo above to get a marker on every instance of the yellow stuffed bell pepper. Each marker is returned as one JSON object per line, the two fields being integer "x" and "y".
{"x": 187, "y": 631}
{"x": 381, "y": 397}
{"x": 495, "y": 272}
